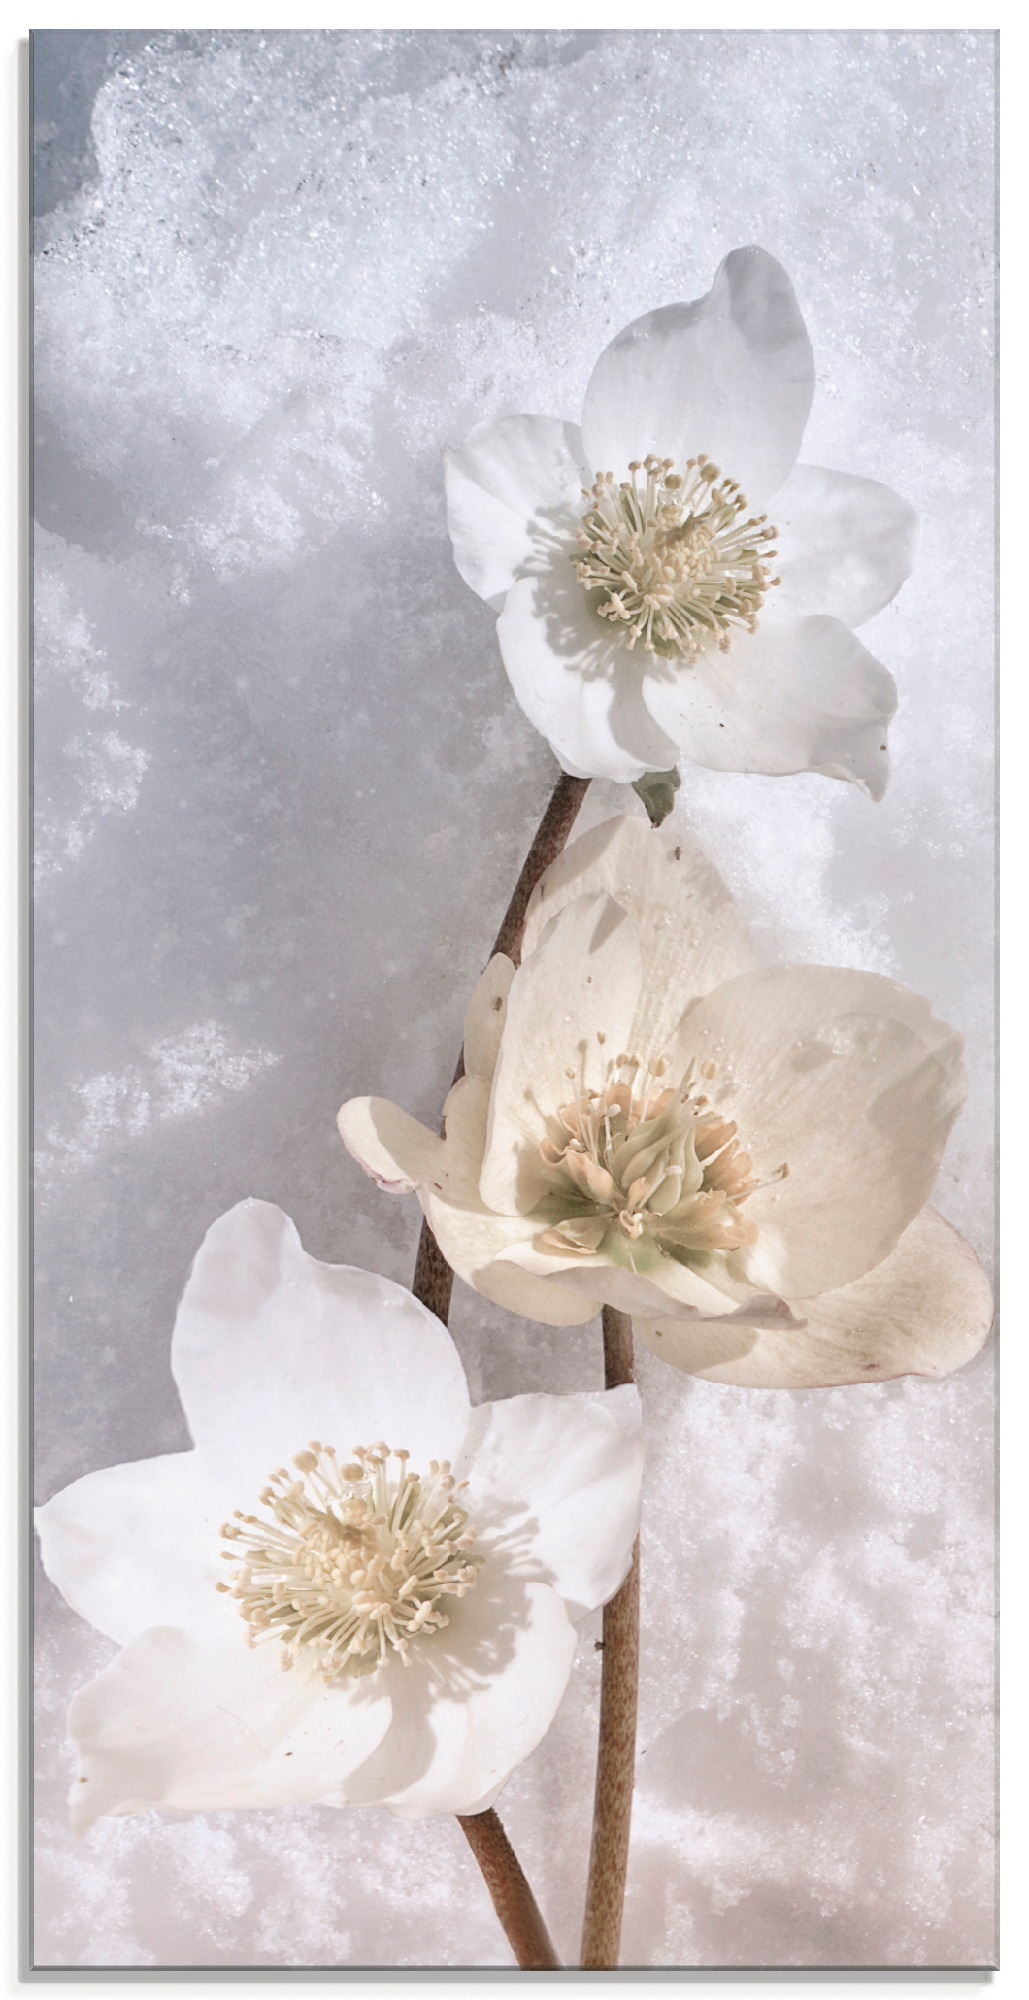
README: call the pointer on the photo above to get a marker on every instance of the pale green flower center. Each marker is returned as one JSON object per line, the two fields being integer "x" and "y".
{"x": 354, "y": 1560}
{"x": 672, "y": 558}
{"x": 643, "y": 1158}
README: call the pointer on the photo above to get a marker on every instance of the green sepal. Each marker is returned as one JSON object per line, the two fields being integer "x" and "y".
{"x": 657, "y": 789}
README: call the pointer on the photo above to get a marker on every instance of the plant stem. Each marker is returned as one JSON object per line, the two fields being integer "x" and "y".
{"x": 616, "y": 1750}
{"x": 513, "y": 1900}
{"x": 551, "y": 836}
{"x": 433, "y": 1277}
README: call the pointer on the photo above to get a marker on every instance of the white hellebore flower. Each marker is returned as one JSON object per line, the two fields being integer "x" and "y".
{"x": 345, "y": 1513}
{"x": 737, "y": 1156}
{"x": 668, "y": 578}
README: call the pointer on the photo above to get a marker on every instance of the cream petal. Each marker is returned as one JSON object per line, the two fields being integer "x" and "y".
{"x": 465, "y": 1122}
{"x": 138, "y": 1545}
{"x": 476, "y": 1700}
{"x": 848, "y": 1079}
{"x": 569, "y": 1010}
{"x": 474, "y": 1243}
{"x": 484, "y": 1020}
{"x": 845, "y": 544}
{"x": 579, "y": 686}
{"x": 662, "y": 1286}
{"x": 691, "y": 935}
{"x": 512, "y": 482}
{"x": 925, "y": 1310}
{"x": 394, "y": 1150}
{"x": 469, "y": 1234}
{"x": 799, "y": 694}
{"x": 199, "y": 1728}
{"x": 272, "y": 1348}
{"x": 562, "y": 1475}
{"x": 731, "y": 375}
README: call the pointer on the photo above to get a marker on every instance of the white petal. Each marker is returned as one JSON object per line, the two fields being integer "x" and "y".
{"x": 199, "y": 1728}
{"x": 476, "y": 1699}
{"x": 138, "y": 1545}
{"x": 562, "y": 1476}
{"x": 508, "y": 485}
{"x": 578, "y": 686}
{"x": 845, "y": 544}
{"x": 393, "y": 1148}
{"x": 484, "y": 1021}
{"x": 924, "y": 1311}
{"x": 731, "y": 375}
{"x": 691, "y": 935}
{"x": 848, "y": 1079}
{"x": 272, "y": 1348}
{"x": 475, "y": 1242}
{"x": 799, "y": 694}
{"x": 570, "y": 1008}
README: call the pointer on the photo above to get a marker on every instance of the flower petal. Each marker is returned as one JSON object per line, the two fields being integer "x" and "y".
{"x": 471, "y": 1235}
{"x": 925, "y": 1310}
{"x": 200, "y": 1728}
{"x": 484, "y": 1021}
{"x": 799, "y": 694}
{"x": 476, "y": 1699}
{"x": 465, "y": 1122}
{"x": 578, "y": 686}
{"x": 511, "y": 481}
{"x": 475, "y": 1243}
{"x": 848, "y": 1079}
{"x": 563, "y": 1476}
{"x": 845, "y": 544}
{"x": 138, "y": 1545}
{"x": 393, "y": 1148}
{"x": 570, "y": 1008}
{"x": 272, "y": 1348}
{"x": 641, "y": 1281}
{"x": 691, "y": 935}
{"x": 731, "y": 375}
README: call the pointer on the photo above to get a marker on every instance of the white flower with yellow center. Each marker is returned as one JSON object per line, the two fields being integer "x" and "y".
{"x": 740, "y": 1157}
{"x": 668, "y": 579}
{"x": 356, "y": 1589}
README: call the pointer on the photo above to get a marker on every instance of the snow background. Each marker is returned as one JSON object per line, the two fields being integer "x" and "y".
{"x": 283, "y": 791}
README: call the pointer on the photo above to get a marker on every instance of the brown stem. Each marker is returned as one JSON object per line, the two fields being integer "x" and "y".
{"x": 551, "y": 836}
{"x": 616, "y": 1750}
{"x": 433, "y": 1277}
{"x": 513, "y": 1900}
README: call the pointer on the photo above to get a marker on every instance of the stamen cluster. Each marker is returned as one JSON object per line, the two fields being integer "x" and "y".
{"x": 645, "y": 1158}
{"x": 355, "y": 1559}
{"x": 672, "y": 558}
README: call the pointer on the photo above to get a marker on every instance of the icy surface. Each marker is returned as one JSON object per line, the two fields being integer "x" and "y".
{"x": 283, "y": 791}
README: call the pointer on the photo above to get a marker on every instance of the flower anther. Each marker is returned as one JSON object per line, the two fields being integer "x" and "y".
{"x": 356, "y": 1559}
{"x": 649, "y": 1159}
{"x": 672, "y": 557}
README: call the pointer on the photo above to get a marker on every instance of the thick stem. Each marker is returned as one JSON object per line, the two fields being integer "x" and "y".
{"x": 513, "y": 1900}
{"x": 433, "y": 1277}
{"x": 616, "y": 1751}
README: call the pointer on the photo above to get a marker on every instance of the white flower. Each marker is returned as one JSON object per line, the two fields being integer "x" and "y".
{"x": 639, "y": 616}
{"x": 737, "y": 1156}
{"x": 415, "y": 1562}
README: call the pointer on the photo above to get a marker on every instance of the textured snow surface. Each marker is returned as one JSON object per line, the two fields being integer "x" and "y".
{"x": 283, "y": 791}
